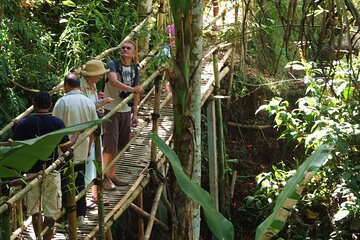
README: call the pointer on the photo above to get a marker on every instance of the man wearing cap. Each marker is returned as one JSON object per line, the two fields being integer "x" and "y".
{"x": 91, "y": 73}
{"x": 37, "y": 124}
{"x": 74, "y": 108}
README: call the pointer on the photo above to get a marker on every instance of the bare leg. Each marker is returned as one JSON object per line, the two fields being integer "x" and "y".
{"x": 36, "y": 222}
{"x": 94, "y": 192}
{"x": 48, "y": 222}
{"x": 108, "y": 157}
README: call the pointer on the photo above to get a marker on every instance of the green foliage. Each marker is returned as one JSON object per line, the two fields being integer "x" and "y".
{"x": 329, "y": 113}
{"x": 42, "y": 40}
{"x": 92, "y": 27}
{"x": 24, "y": 154}
{"x": 292, "y": 193}
{"x": 217, "y": 223}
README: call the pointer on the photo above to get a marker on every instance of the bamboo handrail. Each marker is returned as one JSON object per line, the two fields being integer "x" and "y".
{"x": 78, "y": 142}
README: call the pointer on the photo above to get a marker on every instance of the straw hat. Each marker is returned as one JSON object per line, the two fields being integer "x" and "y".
{"x": 94, "y": 68}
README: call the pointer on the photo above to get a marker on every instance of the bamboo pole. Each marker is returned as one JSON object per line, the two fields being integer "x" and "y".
{"x": 128, "y": 37}
{"x": 212, "y": 152}
{"x": 23, "y": 226}
{"x": 220, "y": 134}
{"x": 231, "y": 77}
{"x": 140, "y": 205}
{"x": 220, "y": 65}
{"x": 71, "y": 201}
{"x": 120, "y": 207}
{"x": 155, "y": 118}
{"x": 233, "y": 182}
{"x": 153, "y": 211}
{"x": 100, "y": 186}
{"x": 146, "y": 215}
{"x": 5, "y": 228}
{"x": 248, "y": 126}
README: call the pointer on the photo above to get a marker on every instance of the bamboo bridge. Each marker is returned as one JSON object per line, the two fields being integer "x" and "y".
{"x": 134, "y": 165}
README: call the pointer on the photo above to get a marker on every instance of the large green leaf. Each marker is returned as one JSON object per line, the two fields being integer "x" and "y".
{"x": 292, "y": 193}
{"x": 217, "y": 223}
{"x": 24, "y": 154}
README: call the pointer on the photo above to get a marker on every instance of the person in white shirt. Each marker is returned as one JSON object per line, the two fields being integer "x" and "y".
{"x": 74, "y": 108}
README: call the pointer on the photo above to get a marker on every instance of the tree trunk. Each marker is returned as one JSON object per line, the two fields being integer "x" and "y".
{"x": 195, "y": 69}
{"x": 144, "y": 9}
{"x": 185, "y": 83}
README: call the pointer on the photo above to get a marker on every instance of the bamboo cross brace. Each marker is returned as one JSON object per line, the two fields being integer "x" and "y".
{"x": 153, "y": 211}
{"x": 146, "y": 215}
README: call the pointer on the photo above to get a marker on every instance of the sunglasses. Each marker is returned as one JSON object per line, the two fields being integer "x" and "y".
{"x": 125, "y": 47}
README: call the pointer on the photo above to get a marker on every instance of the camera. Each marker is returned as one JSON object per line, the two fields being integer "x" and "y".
{"x": 124, "y": 95}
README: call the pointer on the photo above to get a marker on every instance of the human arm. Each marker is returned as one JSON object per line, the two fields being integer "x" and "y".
{"x": 103, "y": 102}
{"x": 112, "y": 76}
{"x": 134, "y": 118}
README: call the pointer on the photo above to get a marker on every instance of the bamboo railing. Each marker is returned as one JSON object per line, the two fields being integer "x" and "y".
{"x": 144, "y": 177}
{"x": 7, "y": 205}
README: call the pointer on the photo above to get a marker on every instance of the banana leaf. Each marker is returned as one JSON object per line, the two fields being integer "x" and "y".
{"x": 217, "y": 223}
{"x": 291, "y": 193}
{"x": 22, "y": 155}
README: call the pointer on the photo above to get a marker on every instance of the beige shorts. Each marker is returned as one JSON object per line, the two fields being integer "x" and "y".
{"x": 51, "y": 196}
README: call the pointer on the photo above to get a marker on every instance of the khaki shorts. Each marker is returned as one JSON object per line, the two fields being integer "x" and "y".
{"x": 51, "y": 196}
{"x": 117, "y": 132}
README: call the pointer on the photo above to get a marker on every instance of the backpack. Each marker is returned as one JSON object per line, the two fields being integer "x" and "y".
{"x": 134, "y": 79}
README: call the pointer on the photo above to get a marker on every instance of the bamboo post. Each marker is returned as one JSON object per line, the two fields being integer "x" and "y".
{"x": 153, "y": 211}
{"x": 140, "y": 205}
{"x": 5, "y": 220}
{"x": 231, "y": 77}
{"x": 160, "y": 15}
{"x": 220, "y": 134}
{"x": 213, "y": 164}
{"x": 70, "y": 200}
{"x": 100, "y": 185}
{"x": 155, "y": 118}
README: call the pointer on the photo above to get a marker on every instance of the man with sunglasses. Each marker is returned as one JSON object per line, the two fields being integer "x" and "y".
{"x": 123, "y": 79}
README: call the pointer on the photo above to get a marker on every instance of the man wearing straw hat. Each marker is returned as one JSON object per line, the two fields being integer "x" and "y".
{"x": 122, "y": 80}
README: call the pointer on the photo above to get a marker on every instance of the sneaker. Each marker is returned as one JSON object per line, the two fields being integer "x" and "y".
{"x": 109, "y": 185}
{"x": 80, "y": 220}
{"x": 118, "y": 182}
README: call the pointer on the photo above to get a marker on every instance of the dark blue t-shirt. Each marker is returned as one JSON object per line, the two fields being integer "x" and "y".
{"x": 37, "y": 125}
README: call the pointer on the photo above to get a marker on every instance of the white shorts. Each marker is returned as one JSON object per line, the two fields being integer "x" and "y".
{"x": 51, "y": 196}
